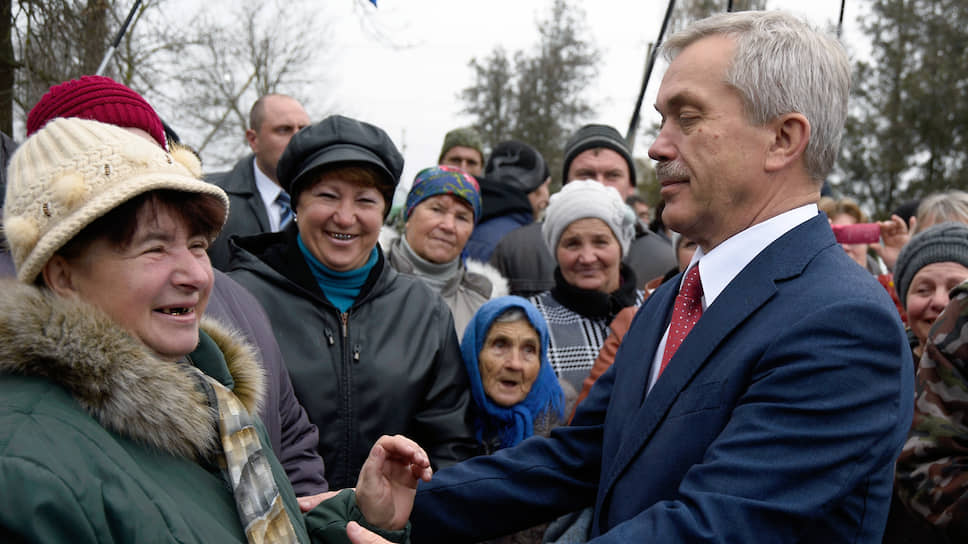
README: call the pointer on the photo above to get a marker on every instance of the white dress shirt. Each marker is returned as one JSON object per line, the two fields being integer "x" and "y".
{"x": 269, "y": 191}
{"x": 728, "y": 259}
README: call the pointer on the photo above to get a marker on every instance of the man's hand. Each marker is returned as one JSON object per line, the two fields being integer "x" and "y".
{"x": 388, "y": 481}
{"x": 309, "y": 502}
{"x": 359, "y": 535}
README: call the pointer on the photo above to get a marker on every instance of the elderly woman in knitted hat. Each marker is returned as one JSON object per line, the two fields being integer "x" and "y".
{"x": 588, "y": 229}
{"x": 125, "y": 415}
{"x": 932, "y": 263}
{"x": 370, "y": 351}
{"x": 442, "y": 208}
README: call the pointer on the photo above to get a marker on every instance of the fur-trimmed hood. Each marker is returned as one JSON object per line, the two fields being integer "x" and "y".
{"x": 115, "y": 378}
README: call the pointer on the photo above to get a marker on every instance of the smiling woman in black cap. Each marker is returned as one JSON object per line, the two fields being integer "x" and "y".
{"x": 370, "y": 352}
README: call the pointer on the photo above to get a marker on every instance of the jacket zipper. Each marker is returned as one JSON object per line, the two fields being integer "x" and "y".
{"x": 347, "y": 395}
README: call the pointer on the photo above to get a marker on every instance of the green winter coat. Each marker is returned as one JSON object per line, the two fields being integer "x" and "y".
{"x": 102, "y": 442}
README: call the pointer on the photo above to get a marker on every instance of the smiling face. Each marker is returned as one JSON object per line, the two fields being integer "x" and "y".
{"x": 438, "y": 228}
{"x": 339, "y": 221}
{"x": 928, "y": 294}
{"x": 589, "y": 255}
{"x": 156, "y": 286}
{"x": 509, "y": 362}
{"x": 711, "y": 160}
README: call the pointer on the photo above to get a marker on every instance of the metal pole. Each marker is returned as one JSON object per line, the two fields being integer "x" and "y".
{"x": 117, "y": 39}
{"x": 840, "y": 21}
{"x": 634, "y": 123}
{"x": 729, "y": 6}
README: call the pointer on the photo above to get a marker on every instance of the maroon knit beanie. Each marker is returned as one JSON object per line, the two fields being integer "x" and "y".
{"x": 97, "y": 98}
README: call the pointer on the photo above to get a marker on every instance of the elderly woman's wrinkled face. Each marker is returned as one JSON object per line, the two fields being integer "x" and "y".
{"x": 339, "y": 221}
{"x": 928, "y": 294}
{"x": 509, "y": 362}
{"x": 438, "y": 228}
{"x": 589, "y": 256}
{"x": 156, "y": 287}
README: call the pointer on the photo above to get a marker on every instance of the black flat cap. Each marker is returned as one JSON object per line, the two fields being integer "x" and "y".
{"x": 338, "y": 140}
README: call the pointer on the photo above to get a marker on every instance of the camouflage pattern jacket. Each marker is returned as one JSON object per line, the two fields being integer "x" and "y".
{"x": 932, "y": 471}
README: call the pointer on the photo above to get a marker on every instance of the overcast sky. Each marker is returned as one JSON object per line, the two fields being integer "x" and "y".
{"x": 402, "y": 65}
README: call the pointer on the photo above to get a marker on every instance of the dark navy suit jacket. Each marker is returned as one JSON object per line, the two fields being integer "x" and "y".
{"x": 778, "y": 420}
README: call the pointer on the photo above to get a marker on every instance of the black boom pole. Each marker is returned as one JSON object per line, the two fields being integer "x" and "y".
{"x": 117, "y": 39}
{"x": 634, "y": 123}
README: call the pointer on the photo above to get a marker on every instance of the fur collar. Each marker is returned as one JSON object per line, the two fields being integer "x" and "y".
{"x": 492, "y": 285}
{"x": 115, "y": 378}
{"x": 499, "y": 284}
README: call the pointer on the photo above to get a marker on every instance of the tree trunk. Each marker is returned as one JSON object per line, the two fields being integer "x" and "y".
{"x": 7, "y": 64}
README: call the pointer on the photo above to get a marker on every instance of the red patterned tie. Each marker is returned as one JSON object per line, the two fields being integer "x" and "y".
{"x": 687, "y": 311}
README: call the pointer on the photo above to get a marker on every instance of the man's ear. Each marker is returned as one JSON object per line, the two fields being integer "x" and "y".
{"x": 791, "y": 133}
{"x": 250, "y": 138}
{"x": 57, "y": 276}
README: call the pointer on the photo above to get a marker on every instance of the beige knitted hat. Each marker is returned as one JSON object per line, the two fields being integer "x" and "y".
{"x": 74, "y": 171}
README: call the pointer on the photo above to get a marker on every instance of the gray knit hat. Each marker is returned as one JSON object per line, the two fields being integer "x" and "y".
{"x": 593, "y": 137}
{"x": 582, "y": 199}
{"x": 72, "y": 172}
{"x": 945, "y": 242}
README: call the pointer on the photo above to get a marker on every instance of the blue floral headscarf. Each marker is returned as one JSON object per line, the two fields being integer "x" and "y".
{"x": 514, "y": 424}
{"x": 444, "y": 180}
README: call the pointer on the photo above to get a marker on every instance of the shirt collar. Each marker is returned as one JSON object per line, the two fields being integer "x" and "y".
{"x": 268, "y": 189}
{"x": 721, "y": 265}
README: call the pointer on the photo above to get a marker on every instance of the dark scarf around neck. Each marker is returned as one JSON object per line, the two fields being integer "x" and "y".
{"x": 595, "y": 304}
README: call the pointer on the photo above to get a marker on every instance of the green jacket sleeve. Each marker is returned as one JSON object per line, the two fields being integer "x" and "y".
{"x": 327, "y": 522}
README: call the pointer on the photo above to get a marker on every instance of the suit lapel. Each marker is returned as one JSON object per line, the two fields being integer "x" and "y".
{"x": 749, "y": 290}
{"x": 254, "y": 200}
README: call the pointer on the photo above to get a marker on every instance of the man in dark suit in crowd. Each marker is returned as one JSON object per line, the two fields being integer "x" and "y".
{"x": 257, "y": 202}
{"x": 762, "y": 395}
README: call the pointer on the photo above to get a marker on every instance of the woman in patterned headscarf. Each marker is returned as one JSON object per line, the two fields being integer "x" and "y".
{"x": 442, "y": 208}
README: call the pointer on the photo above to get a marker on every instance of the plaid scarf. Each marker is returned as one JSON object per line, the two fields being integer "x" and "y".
{"x": 247, "y": 471}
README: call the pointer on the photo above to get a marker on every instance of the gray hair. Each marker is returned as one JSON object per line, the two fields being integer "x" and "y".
{"x": 940, "y": 208}
{"x": 782, "y": 65}
{"x": 511, "y": 315}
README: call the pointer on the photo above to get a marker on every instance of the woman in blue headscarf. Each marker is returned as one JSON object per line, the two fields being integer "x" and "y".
{"x": 515, "y": 391}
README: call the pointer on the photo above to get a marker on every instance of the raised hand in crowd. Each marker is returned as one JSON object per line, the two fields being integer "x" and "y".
{"x": 894, "y": 234}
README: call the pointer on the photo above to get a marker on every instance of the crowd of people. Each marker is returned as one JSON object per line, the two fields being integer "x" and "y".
{"x": 274, "y": 354}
